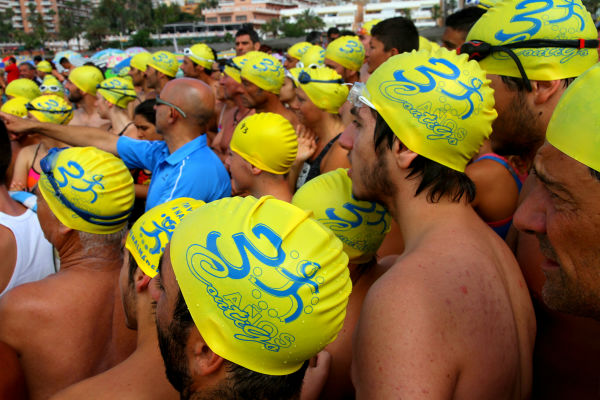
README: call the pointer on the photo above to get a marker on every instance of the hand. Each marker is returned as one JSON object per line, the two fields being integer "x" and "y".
{"x": 17, "y": 125}
{"x": 307, "y": 144}
{"x": 316, "y": 375}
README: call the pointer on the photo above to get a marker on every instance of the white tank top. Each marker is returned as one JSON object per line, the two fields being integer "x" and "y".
{"x": 35, "y": 259}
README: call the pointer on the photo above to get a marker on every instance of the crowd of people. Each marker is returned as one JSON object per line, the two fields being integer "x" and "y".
{"x": 372, "y": 215}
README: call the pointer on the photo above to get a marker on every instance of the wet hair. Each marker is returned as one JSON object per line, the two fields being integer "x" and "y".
{"x": 146, "y": 110}
{"x": 333, "y": 31}
{"x": 242, "y": 383}
{"x": 518, "y": 84}
{"x": 63, "y": 60}
{"x": 5, "y": 153}
{"x": 37, "y": 59}
{"x": 13, "y": 59}
{"x": 439, "y": 180}
{"x": 250, "y": 32}
{"x": 347, "y": 33}
{"x": 314, "y": 37}
{"x": 397, "y": 33}
{"x": 463, "y": 20}
{"x": 595, "y": 174}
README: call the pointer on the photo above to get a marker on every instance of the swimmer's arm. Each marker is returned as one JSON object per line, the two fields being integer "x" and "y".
{"x": 23, "y": 162}
{"x": 72, "y": 135}
{"x": 399, "y": 348}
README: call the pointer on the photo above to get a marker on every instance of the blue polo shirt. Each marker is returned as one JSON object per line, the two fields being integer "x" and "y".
{"x": 193, "y": 170}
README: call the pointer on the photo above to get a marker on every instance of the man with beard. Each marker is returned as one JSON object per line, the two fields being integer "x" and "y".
{"x": 137, "y": 70}
{"x": 262, "y": 77}
{"x": 82, "y": 86}
{"x": 160, "y": 69}
{"x": 452, "y": 317}
{"x": 230, "y": 331}
{"x": 529, "y": 71}
{"x": 182, "y": 165}
{"x": 141, "y": 375}
{"x": 68, "y": 326}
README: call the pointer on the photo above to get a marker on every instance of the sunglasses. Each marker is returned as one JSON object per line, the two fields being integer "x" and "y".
{"x": 173, "y": 106}
{"x": 47, "y": 162}
{"x": 478, "y": 50}
{"x": 356, "y": 96}
{"x": 52, "y": 88}
{"x": 305, "y": 78}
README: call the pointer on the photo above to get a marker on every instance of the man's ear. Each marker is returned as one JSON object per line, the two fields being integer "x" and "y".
{"x": 393, "y": 51}
{"x": 402, "y": 155}
{"x": 255, "y": 171}
{"x": 141, "y": 280}
{"x": 203, "y": 360}
{"x": 544, "y": 90}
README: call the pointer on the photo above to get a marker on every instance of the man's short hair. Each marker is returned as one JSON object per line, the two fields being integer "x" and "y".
{"x": 37, "y": 58}
{"x": 242, "y": 383}
{"x": 250, "y": 32}
{"x": 463, "y": 20}
{"x": 333, "y": 31}
{"x": 63, "y": 60}
{"x": 314, "y": 37}
{"x": 397, "y": 33}
{"x": 5, "y": 153}
{"x": 439, "y": 180}
{"x": 13, "y": 59}
{"x": 28, "y": 64}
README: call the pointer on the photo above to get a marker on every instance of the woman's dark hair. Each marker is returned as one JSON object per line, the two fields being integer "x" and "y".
{"x": 440, "y": 180}
{"x": 146, "y": 110}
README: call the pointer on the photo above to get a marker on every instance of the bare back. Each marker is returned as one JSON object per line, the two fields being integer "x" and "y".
{"x": 81, "y": 118}
{"x": 66, "y": 328}
{"x": 451, "y": 319}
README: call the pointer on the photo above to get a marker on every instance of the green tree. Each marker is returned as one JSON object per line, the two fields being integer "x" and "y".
{"x": 272, "y": 27}
{"x": 407, "y": 13}
{"x": 7, "y": 32}
{"x": 141, "y": 38}
{"x": 35, "y": 38}
{"x": 306, "y": 21}
{"x": 72, "y": 17}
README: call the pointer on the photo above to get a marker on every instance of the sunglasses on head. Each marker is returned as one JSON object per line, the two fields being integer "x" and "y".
{"x": 478, "y": 50}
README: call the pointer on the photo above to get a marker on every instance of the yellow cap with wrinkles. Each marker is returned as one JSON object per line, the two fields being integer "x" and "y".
{"x": 51, "y": 108}
{"x": 152, "y": 231}
{"x": 266, "y": 285}
{"x": 323, "y": 86}
{"x": 15, "y": 107}
{"x": 165, "y": 62}
{"x": 235, "y": 70}
{"x": 360, "y": 225}
{"x": 265, "y": 71}
{"x": 86, "y": 78}
{"x": 425, "y": 44}
{"x": 51, "y": 85}
{"x": 510, "y": 22}
{"x": 348, "y": 51}
{"x": 574, "y": 126}
{"x": 25, "y": 88}
{"x": 44, "y": 66}
{"x": 313, "y": 58}
{"x": 87, "y": 189}
{"x": 266, "y": 140}
{"x": 140, "y": 61}
{"x": 439, "y": 104}
{"x": 201, "y": 54}
{"x": 118, "y": 91}
{"x": 297, "y": 50}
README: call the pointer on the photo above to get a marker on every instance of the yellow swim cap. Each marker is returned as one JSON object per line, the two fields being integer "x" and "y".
{"x": 15, "y": 107}
{"x": 323, "y": 86}
{"x": 86, "y": 78}
{"x": 266, "y": 285}
{"x": 44, "y": 66}
{"x": 165, "y": 62}
{"x": 367, "y": 26}
{"x": 117, "y": 91}
{"x": 298, "y": 49}
{"x": 347, "y": 51}
{"x": 87, "y": 189}
{"x": 201, "y": 54}
{"x": 266, "y": 140}
{"x": 265, "y": 71}
{"x": 51, "y": 85}
{"x": 313, "y": 58}
{"x": 513, "y": 23}
{"x": 25, "y": 88}
{"x": 152, "y": 231}
{"x": 425, "y": 44}
{"x": 140, "y": 61}
{"x": 360, "y": 225}
{"x": 573, "y": 128}
{"x": 438, "y": 104}
{"x": 51, "y": 108}
{"x": 233, "y": 67}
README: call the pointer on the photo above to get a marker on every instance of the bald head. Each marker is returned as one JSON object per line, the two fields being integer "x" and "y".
{"x": 193, "y": 96}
